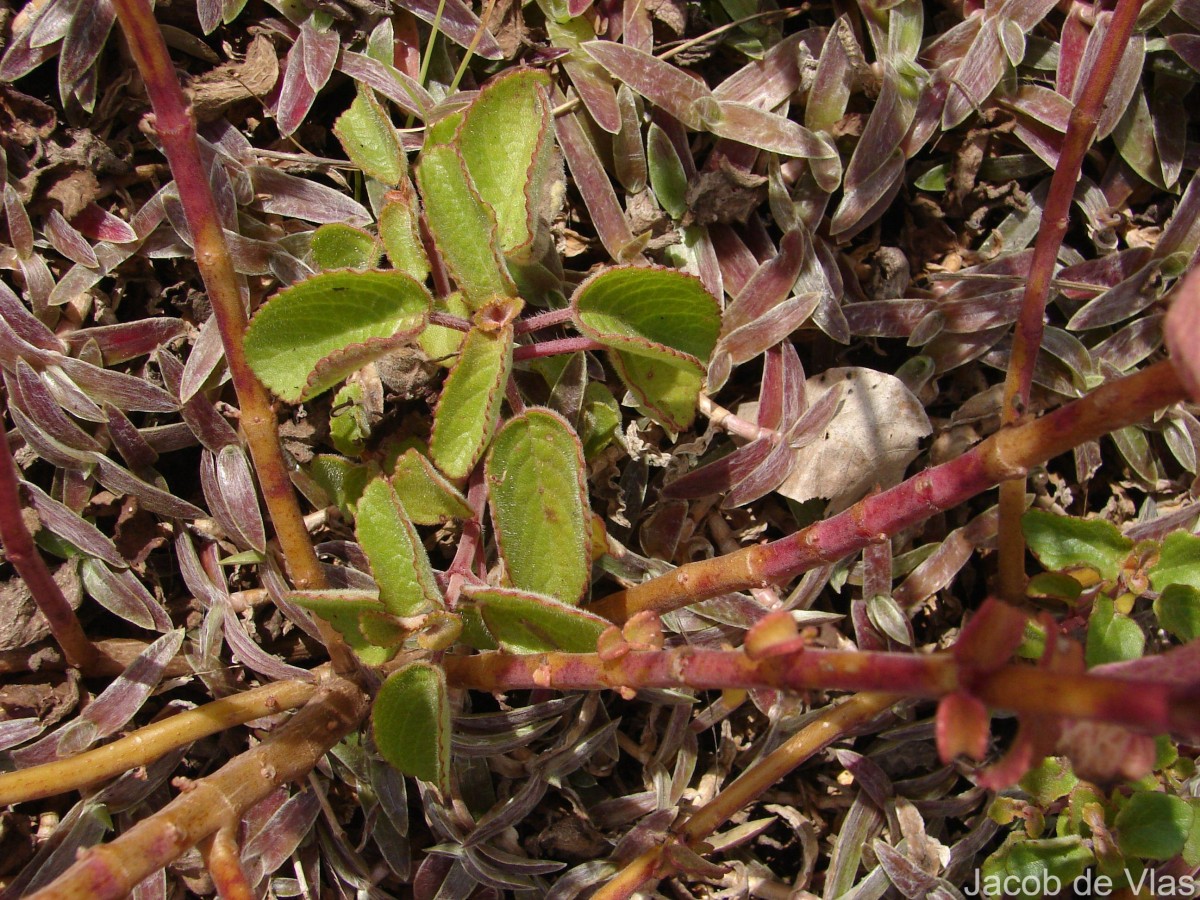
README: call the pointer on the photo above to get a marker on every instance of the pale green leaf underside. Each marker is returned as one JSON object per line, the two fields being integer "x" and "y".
{"x": 660, "y": 313}
{"x": 313, "y": 334}
{"x": 411, "y": 720}
{"x": 394, "y": 549}
{"x": 469, "y": 407}
{"x": 504, "y": 141}
{"x": 538, "y": 498}
{"x": 1063, "y": 542}
{"x": 463, "y": 226}
{"x": 428, "y": 498}
{"x": 369, "y": 139}
{"x": 344, "y": 610}
{"x": 340, "y": 246}
{"x": 525, "y": 622}
{"x": 668, "y": 392}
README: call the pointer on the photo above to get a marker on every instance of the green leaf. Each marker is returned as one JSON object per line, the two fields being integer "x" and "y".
{"x": 1152, "y": 825}
{"x": 342, "y": 480}
{"x": 1064, "y": 542}
{"x": 1112, "y": 637}
{"x": 600, "y": 419}
{"x": 505, "y": 142}
{"x": 1031, "y": 863}
{"x": 348, "y": 425}
{"x": 369, "y": 139}
{"x": 394, "y": 549}
{"x": 345, "y": 610}
{"x": 648, "y": 311}
{"x": 427, "y": 497}
{"x": 310, "y": 336}
{"x": 441, "y": 344}
{"x": 538, "y": 498}
{"x": 525, "y": 622}
{"x": 1179, "y": 562}
{"x": 1178, "y": 611}
{"x": 411, "y": 721}
{"x": 463, "y": 226}
{"x": 667, "y": 176}
{"x": 341, "y": 246}
{"x": 661, "y": 325}
{"x": 469, "y": 408}
{"x": 1050, "y": 779}
{"x": 399, "y": 228}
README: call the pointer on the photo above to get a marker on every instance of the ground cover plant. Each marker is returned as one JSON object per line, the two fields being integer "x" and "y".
{"x": 625, "y": 387}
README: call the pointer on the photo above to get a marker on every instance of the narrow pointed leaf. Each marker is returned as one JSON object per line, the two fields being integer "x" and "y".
{"x": 525, "y": 622}
{"x": 394, "y": 549}
{"x": 411, "y": 721}
{"x": 310, "y": 336}
{"x": 686, "y": 98}
{"x": 538, "y": 498}
{"x": 463, "y": 226}
{"x": 469, "y": 407}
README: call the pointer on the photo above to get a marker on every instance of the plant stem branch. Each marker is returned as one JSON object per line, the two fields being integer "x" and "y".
{"x": 547, "y": 319}
{"x": 555, "y": 348}
{"x": 1148, "y": 706}
{"x": 176, "y": 128}
{"x": 1027, "y": 338}
{"x": 112, "y": 870}
{"x": 148, "y": 744}
{"x": 20, "y": 550}
{"x": 1008, "y": 454}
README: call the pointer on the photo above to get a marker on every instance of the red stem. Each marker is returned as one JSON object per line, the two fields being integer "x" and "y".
{"x": 555, "y": 348}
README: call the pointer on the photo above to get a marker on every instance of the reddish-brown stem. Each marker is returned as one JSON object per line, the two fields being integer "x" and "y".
{"x": 112, "y": 870}
{"x": 1009, "y": 453}
{"x": 1027, "y": 338}
{"x": 176, "y": 130}
{"x": 20, "y": 550}
{"x": 555, "y": 348}
{"x": 542, "y": 320}
{"x": 1148, "y": 706}
{"x": 449, "y": 320}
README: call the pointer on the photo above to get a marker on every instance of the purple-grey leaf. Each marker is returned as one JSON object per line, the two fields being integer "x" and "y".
{"x": 403, "y": 90}
{"x": 209, "y": 13}
{"x": 25, "y": 324}
{"x": 455, "y": 20}
{"x": 278, "y": 838}
{"x": 975, "y": 76}
{"x": 887, "y": 318}
{"x": 123, "y": 595}
{"x": 154, "y": 499}
{"x": 770, "y": 283}
{"x": 320, "y": 53}
{"x": 69, "y": 242}
{"x": 773, "y": 326}
{"x": 771, "y": 80}
{"x": 719, "y": 476}
{"x": 738, "y": 263}
{"x": 686, "y": 98}
{"x": 72, "y": 528}
{"x": 85, "y": 39}
{"x": 18, "y": 731}
{"x": 776, "y": 134}
{"x": 129, "y": 443}
{"x": 110, "y": 710}
{"x": 237, "y": 488}
{"x": 121, "y": 390}
{"x": 22, "y": 56}
{"x": 40, "y": 405}
{"x": 287, "y": 195}
{"x": 594, "y": 186}
{"x": 46, "y": 447}
{"x": 296, "y": 94}
{"x": 1127, "y": 74}
{"x": 198, "y": 412}
{"x": 101, "y": 225}
{"x": 762, "y": 479}
{"x": 865, "y": 202}
{"x": 1119, "y": 302}
{"x": 127, "y": 340}
{"x": 250, "y": 654}
{"x": 20, "y": 229}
